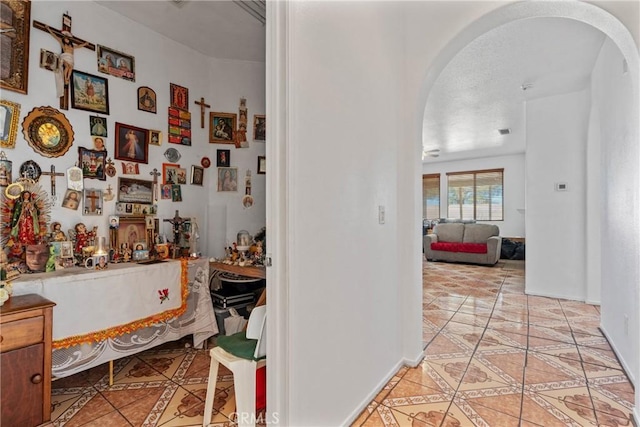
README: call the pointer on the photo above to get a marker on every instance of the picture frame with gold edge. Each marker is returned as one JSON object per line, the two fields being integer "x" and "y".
{"x": 48, "y": 131}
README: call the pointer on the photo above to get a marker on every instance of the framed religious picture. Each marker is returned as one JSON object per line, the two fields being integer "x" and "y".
{"x": 179, "y": 97}
{"x": 147, "y": 99}
{"x": 98, "y": 126}
{"x": 262, "y": 165}
{"x": 92, "y": 201}
{"x": 71, "y": 199}
{"x": 132, "y": 190}
{"x": 166, "y": 191}
{"x": 48, "y": 131}
{"x": 16, "y": 21}
{"x": 9, "y": 115}
{"x": 89, "y": 92}
{"x": 49, "y": 60}
{"x": 222, "y": 127}
{"x": 181, "y": 176}
{"x": 227, "y": 179}
{"x": 259, "y": 128}
{"x": 169, "y": 173}
{"x": 176, "y": 193}
{"x": 92, "y": 163}
{"x": 223, "y": 158}
{"x": 155, "y": 137}
{"x": 132, "y": 231}
{"x": 116, "y": 63}
{"x": 197, "y": 175}
{"x": 132, "y": 143}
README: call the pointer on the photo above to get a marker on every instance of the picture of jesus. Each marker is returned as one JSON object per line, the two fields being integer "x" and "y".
{"x": 131, "y": 143}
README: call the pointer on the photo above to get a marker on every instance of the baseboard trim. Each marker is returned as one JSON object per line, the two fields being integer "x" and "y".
{"x": 555, "y": 296}
{"x": 412, "y": 363}
{"x": 623, "y": 363}
{"x": 636, "y": 415}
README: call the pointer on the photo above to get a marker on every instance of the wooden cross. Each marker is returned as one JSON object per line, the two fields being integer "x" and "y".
{"x": 155, "y": 174}
{"x": 68, "y": 43}
{"x": 53, "y": 175}
{"x": 202, "y": 107}
{"x": 108, "y": 194}
{"x": 92, "y": 199}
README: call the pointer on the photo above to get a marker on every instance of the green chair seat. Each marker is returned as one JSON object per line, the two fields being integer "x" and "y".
{"x": 239, "y": 345}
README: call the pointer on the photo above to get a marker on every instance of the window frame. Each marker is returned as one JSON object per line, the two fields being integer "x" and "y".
{"x": 425, "y": 207}
{"x": 475, "y": 174}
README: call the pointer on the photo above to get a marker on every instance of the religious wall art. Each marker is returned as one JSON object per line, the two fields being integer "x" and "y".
{"x": 262, "y": 165}
{"x": 179, "y": 126}
{"x": 92, "y": 201}
{"x": 110, "y": 168}
{"x": 14, "y": 55}
{"x": 74, "y": 178}
{"x": 99, "y": 143}
{"x": 181, "y": 176}
{"x": 6, "y": 170}
{"x": 30, "y": 170}
{"x": 227, "y": 179}
{"x": 179, "y": 97}
{"x": 98, "y": 126}
{"x": 89, "y": 92}
{"x": 47, "y": 131}
{"x": 241, "y": 133}
{"x": 223, "y": 158}
{"x": 155, "y": 137}
{"x": 147, "y": 99}
{"x": 132, "y": 190}
{"x": 222, "y": 127}
{"x": 49, "y": 60}
{"x": 9, "y": 116}
{"x": 132, "y": 231}
{"x": 71, "y": 199}
{"x": 116, "y": 63}
{"x": 259, "y": 128}
{"x": 92, "y": 163}
{"x": 166, "y": 191}
{"x": 135, "y": 209}
{"x": 205, "y": 162}
{"x": 176, "y": 193}
{"x": 130, "y": 168}
{"x": 131, "y": 143}
{"x": 172, "y": 155}
{"x": 197, "y": 175}
{"x": 169, "y": 173}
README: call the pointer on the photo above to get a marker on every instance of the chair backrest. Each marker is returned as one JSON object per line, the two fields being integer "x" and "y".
{"x": 257, "y": 329}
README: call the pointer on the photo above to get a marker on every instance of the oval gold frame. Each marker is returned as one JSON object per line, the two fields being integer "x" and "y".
{"x": 51, "y": 118}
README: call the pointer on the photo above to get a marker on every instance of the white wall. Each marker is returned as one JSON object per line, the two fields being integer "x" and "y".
{"x": 344, "y": 311}
{"x": 158, "y": 62}
{"x": 618, "y": 118}
{"x": 556, "y": 153}
{"x": 513, "y": 187}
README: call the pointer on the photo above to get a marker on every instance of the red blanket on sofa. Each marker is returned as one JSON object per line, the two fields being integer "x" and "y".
{"x": 473, "y": 248}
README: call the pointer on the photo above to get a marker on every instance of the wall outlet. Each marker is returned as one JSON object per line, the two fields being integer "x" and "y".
{"x": 561, "y": 186}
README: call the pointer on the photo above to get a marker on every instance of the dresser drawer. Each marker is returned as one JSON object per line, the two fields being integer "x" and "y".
{"x": 21, "y": 333}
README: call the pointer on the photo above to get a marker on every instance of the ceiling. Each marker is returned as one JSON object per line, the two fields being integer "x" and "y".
{"x": 219, "y": 29}
{"x": 477, "y": 93}
{"x": 480, "y": 90}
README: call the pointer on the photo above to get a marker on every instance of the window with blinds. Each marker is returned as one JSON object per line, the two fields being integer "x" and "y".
{"x": 431, "y": 196}
{"x": 475, "y": 195}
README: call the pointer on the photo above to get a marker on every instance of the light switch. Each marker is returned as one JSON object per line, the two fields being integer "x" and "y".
{"x": 561, "y": 186}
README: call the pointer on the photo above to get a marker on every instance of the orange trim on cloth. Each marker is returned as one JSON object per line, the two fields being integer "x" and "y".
{"x": 117, "y": 331}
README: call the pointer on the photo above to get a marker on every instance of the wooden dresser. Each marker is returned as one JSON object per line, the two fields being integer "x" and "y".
{"x": 25, "y": 361}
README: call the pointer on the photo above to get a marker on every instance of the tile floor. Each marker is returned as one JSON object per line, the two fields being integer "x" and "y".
{"x": 497, "y": 357}
{"x": 494, "y": 357}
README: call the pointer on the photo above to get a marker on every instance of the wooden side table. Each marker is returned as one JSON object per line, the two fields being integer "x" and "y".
{"x": 25, "y": 360}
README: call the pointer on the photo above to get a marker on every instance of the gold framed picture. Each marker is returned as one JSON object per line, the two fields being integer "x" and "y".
{"x": 48, "y": 131}
{"x": 222, "y": 128}
{"x": 16, "y": 19}
{"x": 9, "y": 116}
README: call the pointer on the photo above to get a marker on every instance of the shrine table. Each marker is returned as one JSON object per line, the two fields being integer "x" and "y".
{"x": 105, "y": 315}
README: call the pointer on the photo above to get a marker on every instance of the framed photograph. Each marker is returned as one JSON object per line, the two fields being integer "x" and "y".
{"x": 227, "y": 179}
{"x": 132, "y": 231}
{"x": 99, "y": 143}
{"x": 179, "y": 97}
{"x": 222, "y": 127}
{"x": 169, "y": 173}
{"x": 223, "y": 158}
{"x": 15, "y": 45}
{"x": 176, "y": 193}
{"x": 131, "y": 143}
{"x": 147, "y": 99}
{"x": 155, "y": 137}
{"x": 10, "y": 114}
{"x": 49, "y": 60}
{"x": 89, "y": 92}
{"x": 92, "y": 201}
{"x": 116, "y": 63}
{"x": 92, "y": 163}
{"x": 98, "y": 126}
{"x": 132, "y": 190}
{"x": 259, "y": 128}
{"x": 71, "y": 199}
{"x": 66, "y": 249}
{"x": 197, "y": 175}
{"x": 262, "y": 165}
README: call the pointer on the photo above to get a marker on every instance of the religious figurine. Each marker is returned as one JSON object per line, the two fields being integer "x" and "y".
{"x": 57, "y": 235}
{"x": 63, "y": 74}
{"x": 83, "y": 237}
{"x": 24, "y": 220}
{"x": 125, "y": 252}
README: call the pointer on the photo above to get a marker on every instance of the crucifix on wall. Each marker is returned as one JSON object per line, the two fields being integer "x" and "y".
{"x": 93, "y": 200}
{"x": 68, "y": 43}
{"x": 202, "y": 107}
{"x": 53, "y": 176}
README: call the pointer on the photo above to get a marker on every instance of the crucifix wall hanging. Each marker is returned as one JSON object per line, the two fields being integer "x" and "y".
{"x": 68, "y": 44}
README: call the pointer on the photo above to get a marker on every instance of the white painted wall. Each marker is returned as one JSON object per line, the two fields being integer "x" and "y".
{"x": 556, "y": 153}
{"x": 344, "y": 311}
{"x": 618, "y": 130}
{"x": 159, "y": 61}
{"x": 513, "y": 187}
